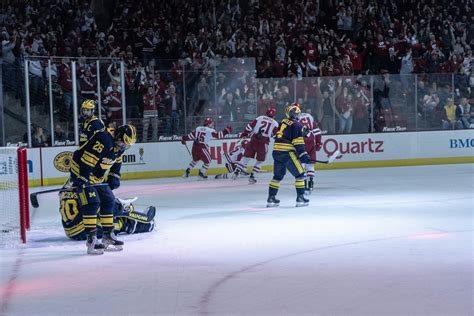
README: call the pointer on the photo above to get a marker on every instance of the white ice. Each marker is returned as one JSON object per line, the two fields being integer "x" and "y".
{"x": 380, "y": 241}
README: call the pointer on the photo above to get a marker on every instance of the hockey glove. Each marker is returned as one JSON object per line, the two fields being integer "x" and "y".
{"x": 113, "y": 181}
{"x": 304, "y": 158}
{"x": 318, "y": 146}
{"x": 183, "y": 140}
{"x": 79, "y": 185}
{"x": 305, "y": 131}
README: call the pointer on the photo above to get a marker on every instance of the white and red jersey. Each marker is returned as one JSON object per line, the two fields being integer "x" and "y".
{"x": 308, "y": 121}
{"x": 203, "y": 134}
{"x": 234, "y": 155}
{"x": 312, "y": 142}
{"x": 263, "y": 126}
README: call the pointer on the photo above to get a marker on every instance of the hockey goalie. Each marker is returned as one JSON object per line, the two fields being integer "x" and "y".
{"x": 127, "y": 219}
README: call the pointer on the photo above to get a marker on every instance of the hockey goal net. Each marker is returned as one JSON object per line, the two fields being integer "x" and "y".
{"x": 14, "y": 205}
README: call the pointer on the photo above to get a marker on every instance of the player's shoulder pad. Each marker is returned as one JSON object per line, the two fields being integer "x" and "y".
{"x": 297, "y": 125}
{"x": 97, "y": 123}
{"x": 287, "y": 122}
{"x": 105, "y": 137}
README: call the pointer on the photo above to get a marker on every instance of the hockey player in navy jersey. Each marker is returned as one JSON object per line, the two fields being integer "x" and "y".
{"x": 127, "y": 218}
{"x": 288, "y": 153}
{"x": 90, "y": 163}
{"x": 90, "y": 124}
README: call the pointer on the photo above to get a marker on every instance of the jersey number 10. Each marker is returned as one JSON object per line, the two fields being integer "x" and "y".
{"x": 69, "y": 210}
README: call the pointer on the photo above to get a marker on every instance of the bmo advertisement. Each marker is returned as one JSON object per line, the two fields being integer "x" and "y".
{"x": 168, "y": 159}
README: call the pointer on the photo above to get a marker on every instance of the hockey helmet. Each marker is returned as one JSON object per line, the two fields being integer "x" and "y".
{"x": 244, "y": 143}
{"x": 208, "y": 121}
{"x": 271, "y": 112}
{"x": 125, "y": 136}
{"x": 87, "y": 109}
{"x": 293, "y": 111}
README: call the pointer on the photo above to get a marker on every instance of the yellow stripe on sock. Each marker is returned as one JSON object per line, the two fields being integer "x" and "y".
{"x": 274, "y": 184}
{"x": 299, "y": 184}
{"x": 107, "y": 221}
{"x": 90, "y": 222}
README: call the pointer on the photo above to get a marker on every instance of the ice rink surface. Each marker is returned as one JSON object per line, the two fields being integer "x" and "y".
{"x": 380, "y": 241}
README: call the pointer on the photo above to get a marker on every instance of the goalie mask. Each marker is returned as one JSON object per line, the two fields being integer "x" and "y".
{"x": 125, "y": 136}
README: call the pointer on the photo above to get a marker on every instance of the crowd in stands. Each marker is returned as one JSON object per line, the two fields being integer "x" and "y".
{"x": 188, "y": 59}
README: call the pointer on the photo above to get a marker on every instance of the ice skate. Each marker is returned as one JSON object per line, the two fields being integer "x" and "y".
{"x": 235, "y": 175}
{"x": 111, "y": 243}
{"x": 311, "y": 184}
{"x": 94, "y": 247}
{"x": 308, "y": 186}
{"x": 186, "y": 173}
{"x": 218, "y": 176}
{"x": 252, "y": 179}
{"x": 202, "y": 175}
{"x": 301, "y": 201}
{"x": 272, "y": 201}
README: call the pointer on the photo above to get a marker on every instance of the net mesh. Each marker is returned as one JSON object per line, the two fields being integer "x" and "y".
{"x": 9, "y": 197}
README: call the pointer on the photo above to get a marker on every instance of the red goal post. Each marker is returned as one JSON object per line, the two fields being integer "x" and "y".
{"x": 14, "y": 202}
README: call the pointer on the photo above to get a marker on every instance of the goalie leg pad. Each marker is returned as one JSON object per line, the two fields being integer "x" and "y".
{"x": 144, "y": 216}
{"x": 134, "y": 227}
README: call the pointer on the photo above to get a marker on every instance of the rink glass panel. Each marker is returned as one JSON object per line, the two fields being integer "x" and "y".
{"x": 390, "y": 103}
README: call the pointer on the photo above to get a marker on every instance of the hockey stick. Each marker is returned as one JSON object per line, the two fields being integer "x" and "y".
{"x": 34, "y": 196}
{"x": 333, "y": 157}
{"x": 189, "y": 152}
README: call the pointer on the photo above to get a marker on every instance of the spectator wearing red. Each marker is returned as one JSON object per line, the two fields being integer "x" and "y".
{"x": 361, "y": 123}
{"x": 150, "y": 114}
{"x": 65, "y": 81}
{"x": 88, "y": 85}
{"x": 113, "y": 101}
{"x": 344, "y": 107}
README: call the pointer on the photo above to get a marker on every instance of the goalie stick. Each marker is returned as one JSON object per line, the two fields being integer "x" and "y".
{"x": 333, "y": 157}
{"x": 34, "y": 196}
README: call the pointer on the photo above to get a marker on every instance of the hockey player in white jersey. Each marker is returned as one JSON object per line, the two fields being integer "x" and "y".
{"x": 261, "y": 129}
{"x": 312, "y": 144}
{"x": 200, "y": 152}
{"x": 232, "y": 158}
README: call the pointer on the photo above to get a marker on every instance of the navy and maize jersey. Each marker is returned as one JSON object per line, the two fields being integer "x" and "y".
{"x": 92, "y": 160}
{"x": 289, "y": 137}
{"x": 73, "y": 224}
{"x": 89, "y": 128}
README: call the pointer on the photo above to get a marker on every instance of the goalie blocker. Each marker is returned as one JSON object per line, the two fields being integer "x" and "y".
{"x": 127, "y": 219}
